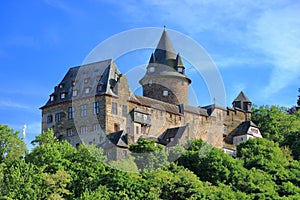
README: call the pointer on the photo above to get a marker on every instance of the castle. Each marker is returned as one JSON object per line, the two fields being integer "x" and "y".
{"x": 94, "y": 104}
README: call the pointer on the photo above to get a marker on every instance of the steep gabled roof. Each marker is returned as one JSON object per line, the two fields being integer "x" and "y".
{"x": 242, "y": 129}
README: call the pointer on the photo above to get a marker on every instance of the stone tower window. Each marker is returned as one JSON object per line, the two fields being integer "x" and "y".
{"x": 151, "y": 69}
{"x": 165, "y": 93}
{"x": 150, "y": 82}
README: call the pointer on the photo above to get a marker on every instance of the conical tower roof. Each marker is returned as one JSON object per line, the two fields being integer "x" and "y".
{"x": 164, "y": 50}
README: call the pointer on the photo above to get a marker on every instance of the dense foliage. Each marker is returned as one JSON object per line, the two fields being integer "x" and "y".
{"x": 264, "y": 168}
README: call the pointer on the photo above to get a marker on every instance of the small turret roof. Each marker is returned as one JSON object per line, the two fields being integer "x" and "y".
{"x": 242, "y": 97}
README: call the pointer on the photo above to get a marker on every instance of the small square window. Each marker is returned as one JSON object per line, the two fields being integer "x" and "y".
{"x": 179, "y": 69}
{"x": 61, "y": 85}
{"x": 151, "y": 69}
{"x": 86, "y": 80}
{"x": 87, "y": 90}
{"x": 165, "y": 93}
{"x": 62, "y": 95}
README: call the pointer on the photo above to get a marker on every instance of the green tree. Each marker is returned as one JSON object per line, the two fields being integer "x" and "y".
{"x": 275, "y": 122}
{"x": 148, "y": 155}
{"x": 292, "y": 140}
{"x": 11, "y": 146}
{"x": 20, "y": 180}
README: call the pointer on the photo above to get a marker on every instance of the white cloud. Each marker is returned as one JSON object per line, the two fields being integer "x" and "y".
{"x": 276, "y": 34}
{"x": 265, "y": 33}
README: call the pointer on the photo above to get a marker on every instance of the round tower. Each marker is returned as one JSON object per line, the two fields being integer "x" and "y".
{"x": 165, "y": 79}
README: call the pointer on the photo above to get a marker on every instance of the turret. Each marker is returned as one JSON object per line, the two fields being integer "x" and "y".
{"x": 165, "y": 79}
{"x": 242, "y": 102}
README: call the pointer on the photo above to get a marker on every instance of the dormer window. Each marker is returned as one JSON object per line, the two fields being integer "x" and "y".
{"x": 62, "y": 95}
{"x": 180, "y": 70}
{"x": 86, "y": 80}
{"x": 99, "y": 87}
{"x": 151, "y": 69}
{"x": 61, "y": 85}
{"x": 52, "y": 98}
{"x": 87, "y": 90}
{"x": 165, "y": 93}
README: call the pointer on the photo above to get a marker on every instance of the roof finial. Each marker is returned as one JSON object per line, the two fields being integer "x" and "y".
{"x": 164, "y": 27}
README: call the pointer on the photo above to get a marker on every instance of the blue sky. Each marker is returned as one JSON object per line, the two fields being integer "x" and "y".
{"x": 254, "y": 44}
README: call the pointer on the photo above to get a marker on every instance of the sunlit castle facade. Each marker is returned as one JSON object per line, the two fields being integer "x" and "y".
{"x": 93, "y": 104}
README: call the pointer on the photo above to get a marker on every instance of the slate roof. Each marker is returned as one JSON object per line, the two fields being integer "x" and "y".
{"x": 118, "y": 139}
{"x": 104, "y": 73}
{"x": 172, "y": 136}
{"x": 153, "y": 103}
{"x": 242, "y": 129}
{"x": 196, "y": 110}
{"x": 242, "y": 97}
{"x": 165, "y": 60}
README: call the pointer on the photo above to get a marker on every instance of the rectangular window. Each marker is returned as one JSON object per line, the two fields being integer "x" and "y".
{"x": 136, "y": 130}
{"x": 70, "y": 112}
{"x": 165, "y": 93}
{"x": 96, "y": 127}
{"x": 74, "y": 93}
{"x": 87, "y": 90}
{"x": 96, "y": 108}
{"x": 83, "y": 130}
{"x": 83, "y": 110}
{"x": 62, "y": 95}
{"x": 49, "y": 119}
{"x": 151, "y": 69}
{"x": 52, "y": 98}
{"x": 69, "y": 132}
{"x": 114, "y": 108}
{"x": 124, "y": 110}
{"x": 57, "y": 117}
